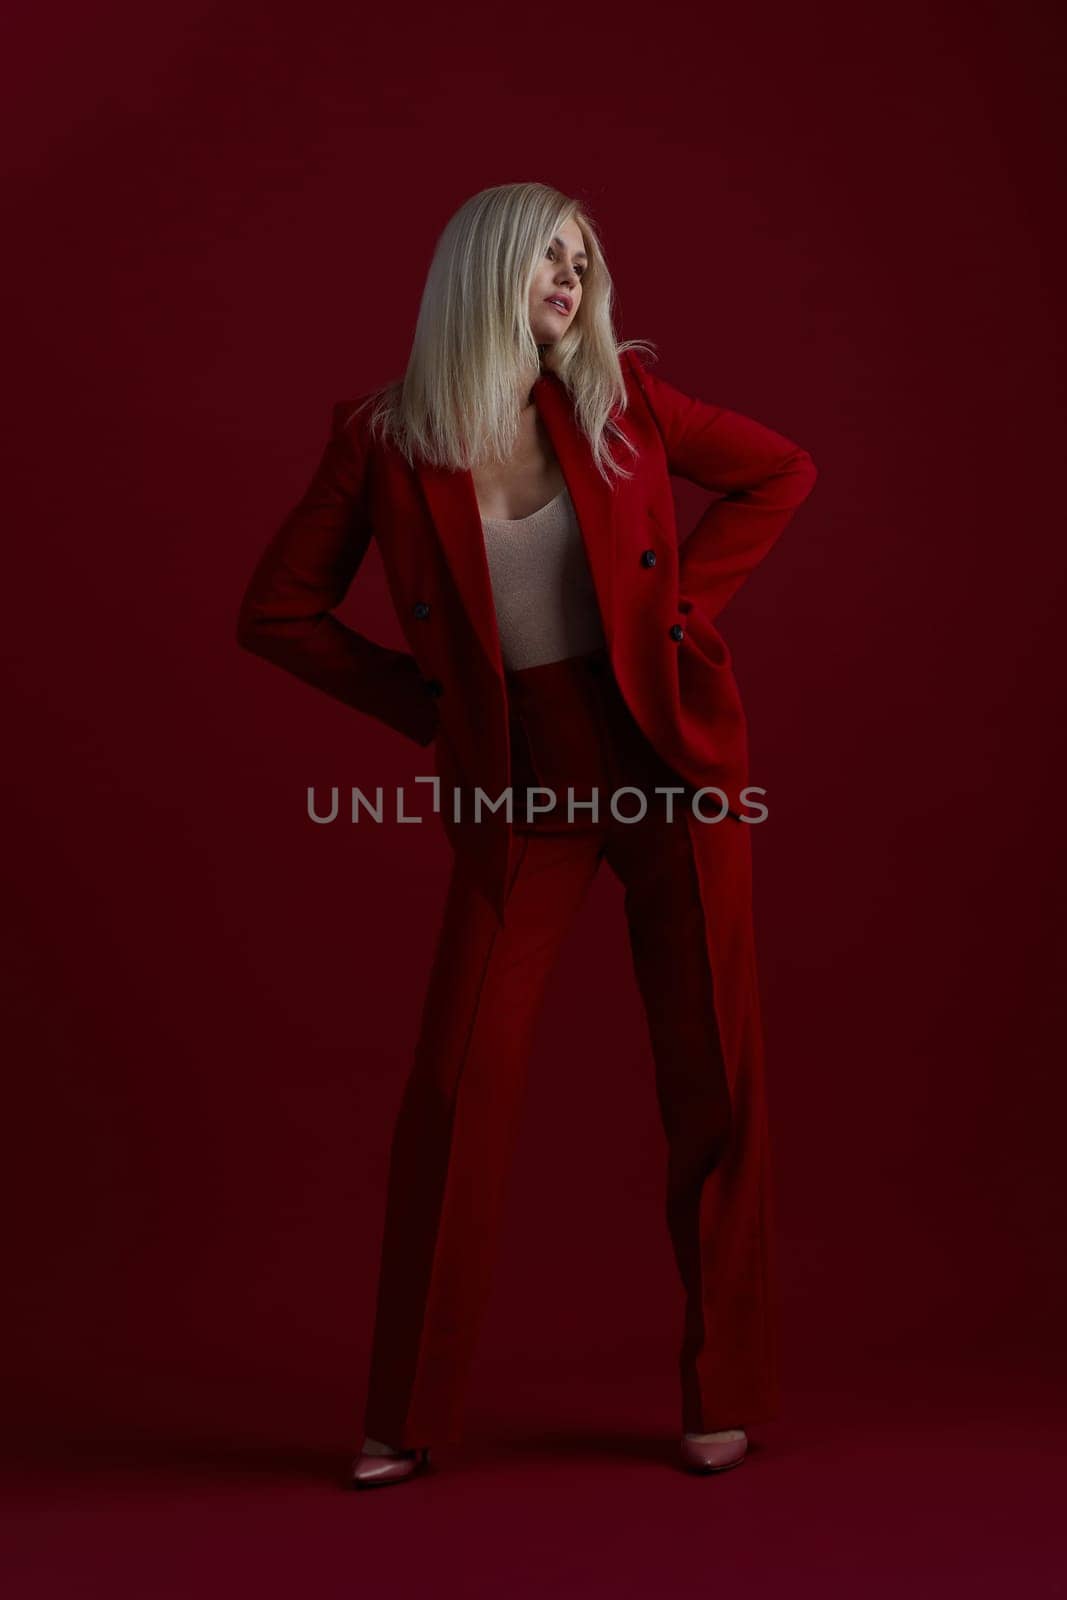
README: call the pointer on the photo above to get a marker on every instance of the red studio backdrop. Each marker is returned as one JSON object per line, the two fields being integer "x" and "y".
{"x": 847, "y": 225}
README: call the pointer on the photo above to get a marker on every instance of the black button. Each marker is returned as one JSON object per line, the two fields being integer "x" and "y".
{"x": 677, "y": 633}
{"x": 421, "y": 609}
{"x": 434, "y": 686}
{"x": 648, "y": 558}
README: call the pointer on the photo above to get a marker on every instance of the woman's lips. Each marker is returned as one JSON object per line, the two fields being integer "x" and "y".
{"x": 564, "y": 311}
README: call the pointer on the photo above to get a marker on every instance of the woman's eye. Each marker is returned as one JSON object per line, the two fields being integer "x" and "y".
{"x": 579, "y": 271}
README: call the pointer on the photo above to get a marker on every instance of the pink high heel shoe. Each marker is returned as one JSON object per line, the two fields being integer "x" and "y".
{"x": 714, "y": 1456}
{"x": 370, "y": 1471}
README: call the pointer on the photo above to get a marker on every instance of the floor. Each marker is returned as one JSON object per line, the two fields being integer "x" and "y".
{"x": 929, "y": 1483}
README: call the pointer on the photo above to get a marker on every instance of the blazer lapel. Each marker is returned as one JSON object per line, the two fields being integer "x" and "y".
{"x": 453, "y": 505}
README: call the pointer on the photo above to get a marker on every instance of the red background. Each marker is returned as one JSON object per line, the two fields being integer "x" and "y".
{"x": 847, "y": 226}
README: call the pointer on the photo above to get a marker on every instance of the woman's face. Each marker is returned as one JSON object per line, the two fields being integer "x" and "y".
{"x": 556, "y": 290}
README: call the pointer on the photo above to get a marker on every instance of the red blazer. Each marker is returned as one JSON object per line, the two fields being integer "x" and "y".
{"x": 658, "y": 601}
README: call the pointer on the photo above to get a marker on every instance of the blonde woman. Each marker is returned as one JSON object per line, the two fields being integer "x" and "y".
{"x": 564, "y": 664}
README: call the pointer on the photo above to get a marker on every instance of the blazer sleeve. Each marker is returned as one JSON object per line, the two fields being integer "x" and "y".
{"x": 761, "y": 475}
{"x": 305, "y": 571}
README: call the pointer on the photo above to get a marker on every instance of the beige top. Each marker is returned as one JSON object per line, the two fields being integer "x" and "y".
{"x": 546, "y": 605}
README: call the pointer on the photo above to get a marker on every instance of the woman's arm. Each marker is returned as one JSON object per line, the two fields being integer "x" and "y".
{"x": 305, "y": 572}
{"x": 762, "y": 475}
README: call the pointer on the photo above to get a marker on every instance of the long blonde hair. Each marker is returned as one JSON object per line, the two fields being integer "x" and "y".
{"x": 458, "y": 404}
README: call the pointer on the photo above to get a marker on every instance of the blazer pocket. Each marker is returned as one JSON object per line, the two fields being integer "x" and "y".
{"x": 702, "y": 632}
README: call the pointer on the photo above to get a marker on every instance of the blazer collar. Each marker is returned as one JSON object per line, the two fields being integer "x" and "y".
{"x": 453, "y": 506}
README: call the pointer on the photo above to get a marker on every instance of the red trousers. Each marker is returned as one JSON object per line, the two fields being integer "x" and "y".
{"x": 688, "y": 910}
